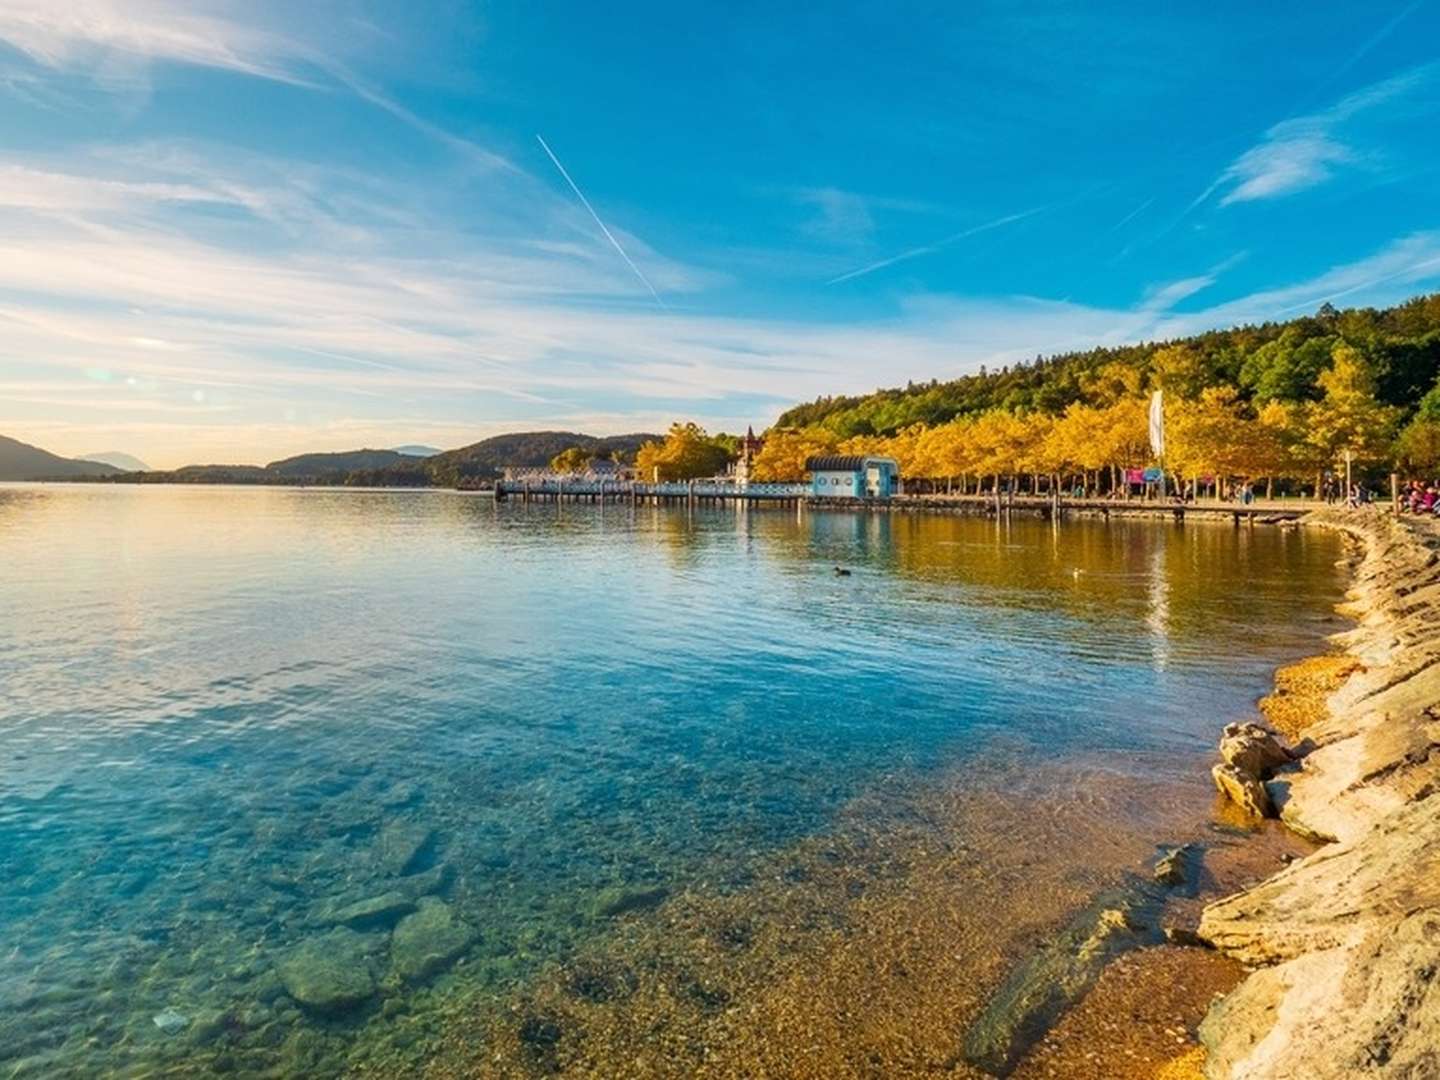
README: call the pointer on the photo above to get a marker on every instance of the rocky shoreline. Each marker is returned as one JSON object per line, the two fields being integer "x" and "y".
{"x": 1344, "y": 945}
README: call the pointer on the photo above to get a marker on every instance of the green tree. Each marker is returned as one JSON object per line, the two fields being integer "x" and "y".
{"x": 1418, "y": 447}
{"x": 1288, "y": 368}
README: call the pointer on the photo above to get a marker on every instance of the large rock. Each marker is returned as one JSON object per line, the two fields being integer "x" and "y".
{"x": 428, "y": 941}
{"x": 1252, "y": 750}
{"x": 1244, "y": 790}
{"x": 1326, "y": 898}
{"x": 1368, "y": 1008}
{"x": 329, "y": 973}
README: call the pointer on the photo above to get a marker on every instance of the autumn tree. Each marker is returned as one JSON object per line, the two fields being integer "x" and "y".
{"x": 686, "y": 453}
{"x": 1181, "y": 370}
{"x": 1348, "y": 418}
{"x": 783, "y": 456}
{"x": 572, "y": 460}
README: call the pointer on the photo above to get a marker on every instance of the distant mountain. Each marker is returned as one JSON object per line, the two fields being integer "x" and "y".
{"x": 346, "y": 461}
{"x": 465, "y": 467}
{"x": 416, "y": 451}
{"x": 122, "y": 461}
{"x": 485, "y": 459}
{"x": 21, "y": 461}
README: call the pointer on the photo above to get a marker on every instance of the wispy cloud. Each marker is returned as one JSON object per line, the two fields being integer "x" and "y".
{"x": 1164, "y": 297}
{"x": 84, "y": 33}
{"x": 1306, "y": 151}
{"x": 839, "y": 217}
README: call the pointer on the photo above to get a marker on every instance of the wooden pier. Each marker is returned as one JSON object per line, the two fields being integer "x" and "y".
{"x": 682, "y": 492}
{"x": 711, "y": 493}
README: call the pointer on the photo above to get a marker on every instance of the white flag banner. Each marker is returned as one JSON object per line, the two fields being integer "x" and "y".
{"x": 1157, "y": 424}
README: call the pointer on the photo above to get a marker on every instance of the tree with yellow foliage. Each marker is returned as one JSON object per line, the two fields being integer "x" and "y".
{"x": 782, "y": 458}
{"x": 1348, "y": 418}
{"x": 1181, "y": 370}
{"x": 1206, "y": 435}
{"x": 686, "y": 454}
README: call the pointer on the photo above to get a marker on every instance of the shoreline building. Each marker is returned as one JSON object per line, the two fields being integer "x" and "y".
{"x": 853, "y": 476}
{"x": 750, "y": 445}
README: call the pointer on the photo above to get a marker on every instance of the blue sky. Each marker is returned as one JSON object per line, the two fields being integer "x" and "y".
{"x": 234, "y": 231}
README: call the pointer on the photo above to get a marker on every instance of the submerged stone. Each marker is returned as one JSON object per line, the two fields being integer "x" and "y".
{"x": 1062, "y": 971}
{"x": 1175, "y": 866}
{"x": 428, "y": 941}
{"x": 171, "y": 1022}
{"x": 403, "y": 845}
{"x": 329, "y": 973}
{"x": 425, "y": 882}
{"x": 620, "y": 900}
{"x": 374, "y": 911}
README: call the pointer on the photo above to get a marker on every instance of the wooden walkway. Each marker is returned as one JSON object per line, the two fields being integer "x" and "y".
{"x": 1264, "y": 512}
{"x": 710, "y": 493}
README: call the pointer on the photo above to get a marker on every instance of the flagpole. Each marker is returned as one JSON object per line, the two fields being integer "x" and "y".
{"x": 1157, "y": 434}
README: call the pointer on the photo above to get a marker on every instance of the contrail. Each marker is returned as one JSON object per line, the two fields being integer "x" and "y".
{"x": 1133, "y": 214}
{"x": 1374, "y": 40}
{"x": 931, "y": 248}
{"x": 608, "y": 234}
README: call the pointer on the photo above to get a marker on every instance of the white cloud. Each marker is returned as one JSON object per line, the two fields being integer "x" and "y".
{"x": 1306, "y": 151}
{"x": 1288, "y": 161}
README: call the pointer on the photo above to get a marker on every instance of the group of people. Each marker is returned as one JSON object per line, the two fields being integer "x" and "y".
{"x": 1334, "y": 491}
{"x": 1421, "y": 497}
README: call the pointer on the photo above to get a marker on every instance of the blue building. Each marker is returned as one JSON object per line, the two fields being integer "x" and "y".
{"x": 853, "y": 476}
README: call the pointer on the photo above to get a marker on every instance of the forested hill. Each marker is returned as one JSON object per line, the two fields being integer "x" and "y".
{"x": 484, "y": 459}
{"x": 467, "y": 466}
{"x": 21, "y": 461}
{"x": 1270, "y": 362}
{"x": 310, "y": 465}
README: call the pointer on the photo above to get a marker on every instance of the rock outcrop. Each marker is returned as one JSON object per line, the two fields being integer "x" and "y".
{"x": 1249, "y": 755}
{"x": 1346, "y": 942}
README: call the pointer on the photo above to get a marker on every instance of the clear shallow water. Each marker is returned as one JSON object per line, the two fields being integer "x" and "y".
{"x": 218, "y": 705}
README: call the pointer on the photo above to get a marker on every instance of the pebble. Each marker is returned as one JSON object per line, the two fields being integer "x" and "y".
{"x": 171, "y": 1022}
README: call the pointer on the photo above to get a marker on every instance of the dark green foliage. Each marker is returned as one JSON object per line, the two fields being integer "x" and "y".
{"x": 484, "y": 460}
{"x": 1273, "y": 361}
{"x": 1286, "y": 368}
{"x": 341, "y": 463}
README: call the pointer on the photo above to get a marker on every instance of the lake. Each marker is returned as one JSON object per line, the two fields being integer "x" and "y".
{"x": 312, "y": 781}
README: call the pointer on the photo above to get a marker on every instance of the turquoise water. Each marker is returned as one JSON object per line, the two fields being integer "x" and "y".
{"x": 226, "y": 715}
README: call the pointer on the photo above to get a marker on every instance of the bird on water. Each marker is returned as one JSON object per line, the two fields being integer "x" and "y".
{"x": 840, "y": 571}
